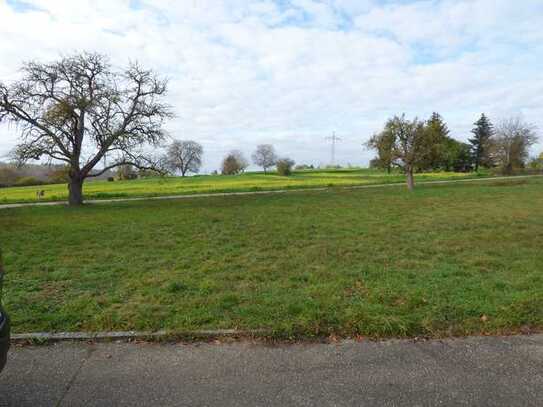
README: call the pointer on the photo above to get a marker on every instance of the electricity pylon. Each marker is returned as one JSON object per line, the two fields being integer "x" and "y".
{"x": 333, "y": 139}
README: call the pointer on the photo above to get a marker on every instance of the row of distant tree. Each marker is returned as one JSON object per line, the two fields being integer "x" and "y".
{"x": 185, "y": 156}
{"x": 417, "y": 146}
{"x": 182, "y": 157}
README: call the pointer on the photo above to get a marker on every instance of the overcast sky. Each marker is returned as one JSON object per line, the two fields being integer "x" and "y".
{"x": 290, "y": 72}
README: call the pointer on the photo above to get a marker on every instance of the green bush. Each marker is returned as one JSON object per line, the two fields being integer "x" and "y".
{"x": 28, "y": 181}
{"x": 59, "y": 175}
{"x": 303, "y": 167}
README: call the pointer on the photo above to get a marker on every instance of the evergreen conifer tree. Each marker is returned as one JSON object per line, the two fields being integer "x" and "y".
{"x": 480, "y": 143}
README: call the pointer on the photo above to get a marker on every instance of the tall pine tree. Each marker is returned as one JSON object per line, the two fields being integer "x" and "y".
{"x": 437, "y": 135}
{"x": 480, "y": 143}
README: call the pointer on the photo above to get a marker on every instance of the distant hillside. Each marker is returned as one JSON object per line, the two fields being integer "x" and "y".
{"x": 35, "y": 174}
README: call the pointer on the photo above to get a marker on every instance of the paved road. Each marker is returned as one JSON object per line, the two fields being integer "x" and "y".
{"x": 277, "y": 191}
{"x": 472, "y": 372}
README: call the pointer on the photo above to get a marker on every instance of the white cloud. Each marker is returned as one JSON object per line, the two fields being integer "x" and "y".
{"x": 248, "y": 72}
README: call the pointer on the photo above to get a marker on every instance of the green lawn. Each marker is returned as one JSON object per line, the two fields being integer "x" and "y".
{"x": 380, "y": 262}
{"x": 217, "y": 183}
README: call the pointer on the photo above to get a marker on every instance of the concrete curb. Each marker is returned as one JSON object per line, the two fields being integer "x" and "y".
{"x": 134, "y": 335}
{"x": 266, "y": 192}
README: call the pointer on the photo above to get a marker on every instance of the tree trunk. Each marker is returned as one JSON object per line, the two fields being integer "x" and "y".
{"x": 410, "y": 179}
{"x": 75, "y": 189}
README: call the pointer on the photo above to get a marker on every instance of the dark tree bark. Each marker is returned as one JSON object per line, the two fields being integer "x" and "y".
{"x": 410, "y": 178}
{"x": 75, "y": 189}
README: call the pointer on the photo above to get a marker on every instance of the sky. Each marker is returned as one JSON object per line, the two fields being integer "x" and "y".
{"x": 292, "y": 72}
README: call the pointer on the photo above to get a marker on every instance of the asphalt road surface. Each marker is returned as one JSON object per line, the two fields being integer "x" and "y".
{"x": 472, "y": 372}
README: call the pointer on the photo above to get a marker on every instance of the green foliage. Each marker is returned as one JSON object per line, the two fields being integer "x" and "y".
{"x": 431, "y": 150}
{"x": 536, "y": 163}
{"x": 126, "y": 173}
{"x": 310, "y": 263}
{"x": 383, "y": 143}
{"x": 410, "y": 148}
{"x": 302, "y": 167}
{"x": 284, "y": 166}
{"x": 148, "y": 173}
{"x": 176, "y": 287}
{"x": 482, "y": 143}
{"x": 59, "y": 175}
{"x": 8, "y": 176}
{"x": 28, "y": 181}
{"x": 456, "y": 156}
{"x": 437, "y": 140}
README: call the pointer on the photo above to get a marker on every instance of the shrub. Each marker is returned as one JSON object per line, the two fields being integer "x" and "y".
{"x": 126, "y": 172}
{"x": 149, "y": 174}
{"x": 284, "y": 166}
{"x": 110, "y": 179}
{"x": 536, "y": 163}
{"x": 302, "y": 167}
{"x": 8, "y": 176}
{"x": 28, "y": 181}
{"x": 59, "y": 175}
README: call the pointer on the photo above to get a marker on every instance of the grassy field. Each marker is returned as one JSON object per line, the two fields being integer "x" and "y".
{"x": 217, "y": 183}
{"x": 444, "y": 260}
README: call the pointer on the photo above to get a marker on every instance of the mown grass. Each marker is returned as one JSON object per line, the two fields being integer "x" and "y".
{"x": 444, "y": 260}
{"x": 217, "y": 183}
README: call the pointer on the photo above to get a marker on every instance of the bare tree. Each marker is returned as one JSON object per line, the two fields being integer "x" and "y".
{"x": 512, "y": 142}
{"x": 185, "y": 156}
{"x": 406, "y": 142}
{"x": 78, "y": 110}
{"x": 264, "y": 156}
